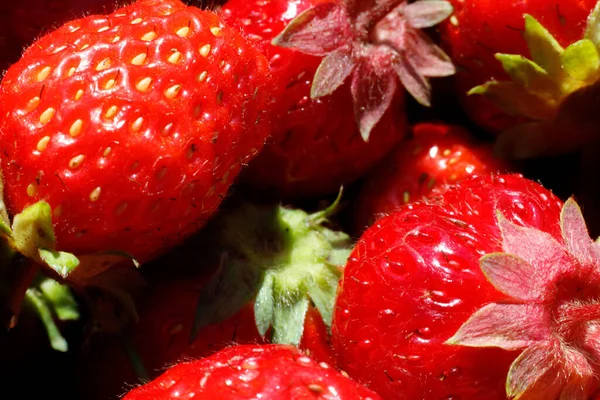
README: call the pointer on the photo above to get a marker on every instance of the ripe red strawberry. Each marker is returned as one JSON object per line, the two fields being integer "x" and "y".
{"x": 434, "y": 157}
{"x": 549, "y": 102}
{"x": 487, "y": 291}
{"x": 244, "y": 372}
{"x": 129, "y": 129}
{"x": 317, "y": 145}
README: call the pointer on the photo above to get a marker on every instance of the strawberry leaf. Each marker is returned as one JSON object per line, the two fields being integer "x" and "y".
{"x": 528, "y": 74}
{"x": 535, "y": 368}
{"x": 33, "y": 230}
{"x": 582, "y": 61}
{"x": 318, "y": 30}
{"x": 372, "y": 93}
{"x": 512, "y": 276}
{"x": 332, "y": 72}
{"x": 282, "y": 259}
{"x": 592, "y": 31}
{"x": 428, "y": 58}
{"x": 288, "y": 320}
{"x": 544, "y": 48}
{"x": 427, "y": 13}
{"x": 575, "y": 234}
{"x": 62, "y": 263}
{"x": 264, "y": 305}
{"x": 37, "y": 301}
{"x": 61, "y": 299}
{"x": 507, "y": 326}
{"x": 534, "y": 246}
{"x": 514, "y": 99}
{"x": 230, "y": 288}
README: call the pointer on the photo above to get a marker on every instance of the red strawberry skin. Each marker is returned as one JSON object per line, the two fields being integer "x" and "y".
{"x": 479, "y": 29}
{"x": 243, "y": 372}
{"x": 316, "y": 145}
{"x": 414, "y": 278}
{"x": 434, "y": 157}
{"x": 132, "y": 126}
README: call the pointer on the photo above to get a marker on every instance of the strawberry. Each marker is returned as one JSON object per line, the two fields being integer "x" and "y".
{"x": 436, "y": 156}
{"x": 126, "y": 131}
{"x": 488, "y": 291}
{"x": 326, "y": 67}
{"x": 536, "y": 63}
{"x": 243, "y": 372}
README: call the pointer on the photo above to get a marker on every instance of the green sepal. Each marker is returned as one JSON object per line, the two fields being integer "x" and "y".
{"x": 32, "y": 230}
{"x": 44, "y": 311}
{"x": 61, "y": 262}
{"x": 592, "y": 31}
{"x": 284, "y": 259}
{"x": 515, "y": 99}
{"x": 581, "y": 61}
{"x": 543, "y": 47}
{"x": 61, "y": 299}
{"x": 527, "y": 74}
{"x": 288, "y": 320}
{"x": 230, "y": 288}
{"x": 539, "y": 86}
{"x": 264, "y": 305}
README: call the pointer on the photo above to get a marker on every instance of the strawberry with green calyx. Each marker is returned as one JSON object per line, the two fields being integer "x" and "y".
{"x": 123, "y": 133}
{"x": 282, "y": 259}
{"x": 373, "y": 45}
{"x": 536, "y": 64}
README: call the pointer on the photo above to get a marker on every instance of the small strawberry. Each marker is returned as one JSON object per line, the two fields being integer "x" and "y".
{"x": 333, "y": 60}
{"x": 434, "y": 157}
{"x": 537, "y": 64}
{"x": 244, "y": 372}
{"x": 488, "y": 291}
{"x": 122, "y": 133}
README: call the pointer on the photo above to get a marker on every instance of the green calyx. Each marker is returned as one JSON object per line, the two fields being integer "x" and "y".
{"x": 32, "y": 235}
{"x": 539, "y": 85}
{"x": 52, "y": 301}
{"x": 284, "y": 259}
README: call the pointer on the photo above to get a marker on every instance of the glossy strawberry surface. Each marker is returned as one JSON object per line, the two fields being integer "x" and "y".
{"x": 316, "y": 144}
{"x": 132, "y": 126}
{"x": 243, "y": 372}
{"x": 434, "y": 157}
{"x": 414, "y": 278}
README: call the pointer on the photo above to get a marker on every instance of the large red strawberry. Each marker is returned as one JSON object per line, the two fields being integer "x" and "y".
{"x": 122, "y": 133}
{"x": 317, "y": 144}
{"x": 487, "y": 291}
{"x": 548, "y": 50}
{"x": 435, "y": 156}
{"x": 244, "y": 372}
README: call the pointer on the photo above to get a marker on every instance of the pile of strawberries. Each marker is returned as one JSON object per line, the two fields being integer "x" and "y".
{"x": 300, "y": 199}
